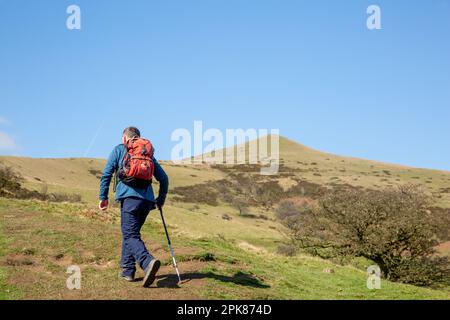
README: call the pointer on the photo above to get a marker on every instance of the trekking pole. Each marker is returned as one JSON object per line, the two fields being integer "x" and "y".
{"x": 170, "y": 245}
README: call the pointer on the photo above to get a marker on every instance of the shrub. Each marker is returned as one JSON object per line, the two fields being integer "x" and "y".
{"x": 286, "y": 209}
{"x": 9, "y": 180}
{"x": 96, "y": 173}
{"x": 200, "y": 193}
{"x": 10, "y": 187}
{"x": 269, "y": 193}
{"x": 288, "y": 250}
{"x": 226, "y": 217}
{"x": 392, "y": 227}
{"x": 240, "y": 204}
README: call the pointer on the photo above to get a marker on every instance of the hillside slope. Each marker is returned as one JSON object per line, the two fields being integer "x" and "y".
{"x": 299, "y": 163}
{"x": 41, "y": 240}
{"x": 225, "y": 253}
{"x": 328, "y": 169}
{"x": 80, "y": 175}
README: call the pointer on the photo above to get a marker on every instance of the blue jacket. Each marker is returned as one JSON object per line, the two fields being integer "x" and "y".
{"x": 123, "y": 191}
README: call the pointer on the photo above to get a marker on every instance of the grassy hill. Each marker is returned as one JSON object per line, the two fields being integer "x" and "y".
{"x": 41, "y": 240}
{"x": 224, "y": 254}
{"x": 81, "y": 175}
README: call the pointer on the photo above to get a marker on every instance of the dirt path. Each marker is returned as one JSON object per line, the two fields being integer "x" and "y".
{"x": 41, "y": 246}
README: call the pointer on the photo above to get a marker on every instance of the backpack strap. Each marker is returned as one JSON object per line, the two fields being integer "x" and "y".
{"x": 116, "y": 178}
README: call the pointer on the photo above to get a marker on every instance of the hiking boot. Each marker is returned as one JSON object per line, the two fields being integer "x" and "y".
{"x": 150, "y": 273}
{"x": 126, "y": 278}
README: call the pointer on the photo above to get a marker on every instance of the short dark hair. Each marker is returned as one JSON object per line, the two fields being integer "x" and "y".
{"x": 132, "y": 132}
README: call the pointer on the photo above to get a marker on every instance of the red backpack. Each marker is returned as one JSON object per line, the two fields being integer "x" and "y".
{"x": 138, "y": 166}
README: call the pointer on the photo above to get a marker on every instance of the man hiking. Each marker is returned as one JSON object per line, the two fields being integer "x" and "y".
{"x": 134, "y": 166}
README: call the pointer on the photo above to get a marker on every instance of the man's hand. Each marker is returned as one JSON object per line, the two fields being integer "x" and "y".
{"x": 159, "y": 204}
{"x": 103, "y": 205}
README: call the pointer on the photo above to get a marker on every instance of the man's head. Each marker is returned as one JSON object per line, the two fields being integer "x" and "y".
{"x": 130, "y": 133}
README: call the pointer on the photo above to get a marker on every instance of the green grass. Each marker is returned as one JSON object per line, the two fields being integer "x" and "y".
{"x": 7, "y": 292}
{"x": 301, "y": 277}
{"x": 217, "y": 268}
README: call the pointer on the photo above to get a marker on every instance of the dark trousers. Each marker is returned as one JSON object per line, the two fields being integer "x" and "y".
{"x": 134, "y": 212}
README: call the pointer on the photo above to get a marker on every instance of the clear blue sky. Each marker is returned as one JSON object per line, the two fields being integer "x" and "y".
{"x": 310, "y": 68}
